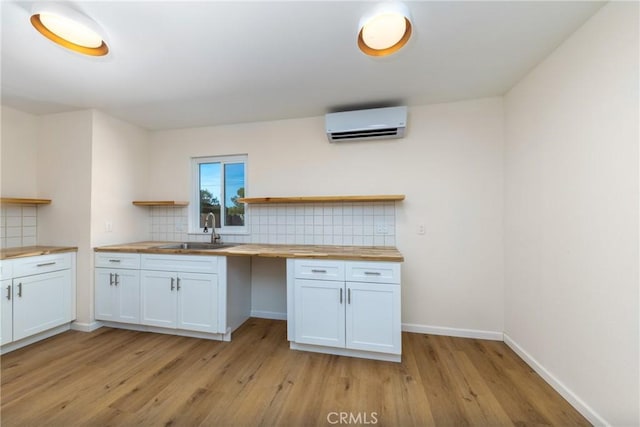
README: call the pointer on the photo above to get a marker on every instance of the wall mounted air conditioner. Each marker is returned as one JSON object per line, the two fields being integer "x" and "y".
{"x": 364, "y": 125}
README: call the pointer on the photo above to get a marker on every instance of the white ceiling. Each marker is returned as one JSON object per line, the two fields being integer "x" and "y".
{"x": 187, "y": 64}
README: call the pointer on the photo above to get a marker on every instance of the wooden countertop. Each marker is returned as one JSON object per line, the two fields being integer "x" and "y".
{"x": 358, "y": 253}
{"x": 26, "y": 251}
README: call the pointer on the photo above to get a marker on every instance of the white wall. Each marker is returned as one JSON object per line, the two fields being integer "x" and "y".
{"x": 571, "y": 222}
{"x": 18, "y": 177}
{"x": 118, "y": 177}
{"x": 64, "y": 175}
{"x": 449, "y": 166}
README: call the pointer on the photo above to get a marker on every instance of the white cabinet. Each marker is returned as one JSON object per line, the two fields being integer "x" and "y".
{"x": 117, "y": 287}
{"x": 41, "y": 302}
{"x": 181, "y": 299}
{"x": 6, "y": 312}
{"x": 320, "y": 312}
{"x": 347, "y": 305}
{"x": 39, "y": 297}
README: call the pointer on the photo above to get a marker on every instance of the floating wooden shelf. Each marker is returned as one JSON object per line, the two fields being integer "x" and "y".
{"x": 312, "y": 199}
{"x": 166, "y": 203}
{"x": 21, "y": 201}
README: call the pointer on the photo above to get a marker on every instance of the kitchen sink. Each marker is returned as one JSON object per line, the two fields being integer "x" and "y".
{"x": 197, "y": 245}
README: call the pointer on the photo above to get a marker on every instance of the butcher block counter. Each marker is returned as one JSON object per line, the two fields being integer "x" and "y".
{"x": 27, "y": 251}
{"x": 358, "y": 253}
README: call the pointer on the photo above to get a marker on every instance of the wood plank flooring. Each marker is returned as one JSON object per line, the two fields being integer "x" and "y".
{"x": 116, "y": 377}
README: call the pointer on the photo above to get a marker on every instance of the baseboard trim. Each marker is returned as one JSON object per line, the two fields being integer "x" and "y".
{"x": 557, "y": 385}
{"x": 86, "y": 327}
{"x": 274, "y": 315}
{"x": 453, "y": 332}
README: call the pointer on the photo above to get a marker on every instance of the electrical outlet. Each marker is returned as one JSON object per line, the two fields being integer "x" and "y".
{"x": 108, "y": 227}
{"x": 421, "y": 229}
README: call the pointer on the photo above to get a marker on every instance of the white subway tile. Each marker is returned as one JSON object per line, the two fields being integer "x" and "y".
{"x": 367, "y": 220}
{"x": 14, "y": 211}
{"x": 378, "y": 240}
{"x": 347, "y": 240}
{"x": 29, "y": 241}
{"x": 367, "y": 240}
{"x": 389, "y": 208}
{"x": 13, "y": 242}
{"x": 29, "y": 211}
{"x": 14, "y": 232}
{"x": 389, "y": 240}
{"x": 327, "y": 220}
{"x": 358, "y": 241}
{"x": 29, "y": 221}
{"x": 28, "y": 231}
{"x": 327, "y": 240}
{"x": 14, "y": 221}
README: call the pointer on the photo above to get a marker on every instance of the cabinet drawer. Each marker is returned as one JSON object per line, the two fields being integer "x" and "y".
{"x": 6, "y": 269}
{"x": 185, "y": 263}
{"x": 319, "y": 269}
{"x": 41, "y": 264}
{"x": 373, "y": 272}
{"x": 117, "y": 260}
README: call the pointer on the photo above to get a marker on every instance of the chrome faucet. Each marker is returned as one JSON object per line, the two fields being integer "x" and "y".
{"x": 215, "y": 237}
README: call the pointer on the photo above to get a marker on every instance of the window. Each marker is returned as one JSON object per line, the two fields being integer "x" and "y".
{"x": 218, "y": 182}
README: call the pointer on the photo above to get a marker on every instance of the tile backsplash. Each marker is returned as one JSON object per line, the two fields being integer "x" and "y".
{"x": 18, "y": 225}
{"x": 344, "y": 223}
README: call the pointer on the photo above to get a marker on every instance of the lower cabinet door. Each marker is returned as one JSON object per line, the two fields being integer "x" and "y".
{"x": 127, "y": 296}
{"x": 373, "y": 317}
{"x": 159, "y": 294}
{"x": 320, "y": 312}
{"x": 41, "y": 302}
{"x": 6, "y": 312}
{"x": 105, "y": 294}
{"x": 198, "y": 302}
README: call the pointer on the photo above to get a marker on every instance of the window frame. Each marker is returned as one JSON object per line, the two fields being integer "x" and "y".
{"x": 194, "y": 204}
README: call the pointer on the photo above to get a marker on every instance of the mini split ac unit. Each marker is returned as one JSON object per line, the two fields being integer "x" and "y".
{"x": 364, "y": 125}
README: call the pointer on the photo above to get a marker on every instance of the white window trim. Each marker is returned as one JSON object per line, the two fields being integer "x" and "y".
{"x": 194, "y": 204}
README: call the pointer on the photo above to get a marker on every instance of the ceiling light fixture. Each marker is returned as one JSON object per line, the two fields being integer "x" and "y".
{"x": 69, "y": 29}
{"x": 385, "y": 31}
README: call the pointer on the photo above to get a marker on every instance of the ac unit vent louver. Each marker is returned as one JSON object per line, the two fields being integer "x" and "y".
{"x": 361, "y": 125}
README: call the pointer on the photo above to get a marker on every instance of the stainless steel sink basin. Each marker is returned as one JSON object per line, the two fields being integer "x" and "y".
{"x": 197, "y": 245}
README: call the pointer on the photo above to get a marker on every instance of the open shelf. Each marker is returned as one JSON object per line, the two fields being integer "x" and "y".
{"x": 316, "y": 199}
{"x": 165, "y": 203}
{"x": 24, "y": 201}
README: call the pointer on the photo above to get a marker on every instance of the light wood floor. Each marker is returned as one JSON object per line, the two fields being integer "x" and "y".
{"x": 120, "y": 378}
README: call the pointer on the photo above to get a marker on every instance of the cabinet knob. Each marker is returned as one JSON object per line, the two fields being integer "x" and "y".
{"x": 9, "y": 292}
{"x": 110, "y": 279}
{"x": 20, "y": 290}
{"x": 340, "y": 295}
{"x": 178, "y": 283}
{"x": 172, "y": 283}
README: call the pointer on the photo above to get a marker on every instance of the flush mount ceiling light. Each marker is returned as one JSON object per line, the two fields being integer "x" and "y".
{"x": 69, "y": 29}
{"x": 385, "y": 31}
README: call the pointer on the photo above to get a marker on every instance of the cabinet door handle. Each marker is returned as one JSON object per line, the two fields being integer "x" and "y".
{"x": 318, "y": 271}
{"x": 172, "y": 283}
{"x": 114, "y": 260}
{"x": 20, "y": 290}
{"x": 44, "y": 264}
{"x": 117, "y": 278}
{"x": 110, "y": 279}
{"x": 9, "y": 292}
{"x": 340, "y": 295}
{"x": 372, "y": 273}
{"x": 349, "y": 296}
{"x": 178, "y": 283}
